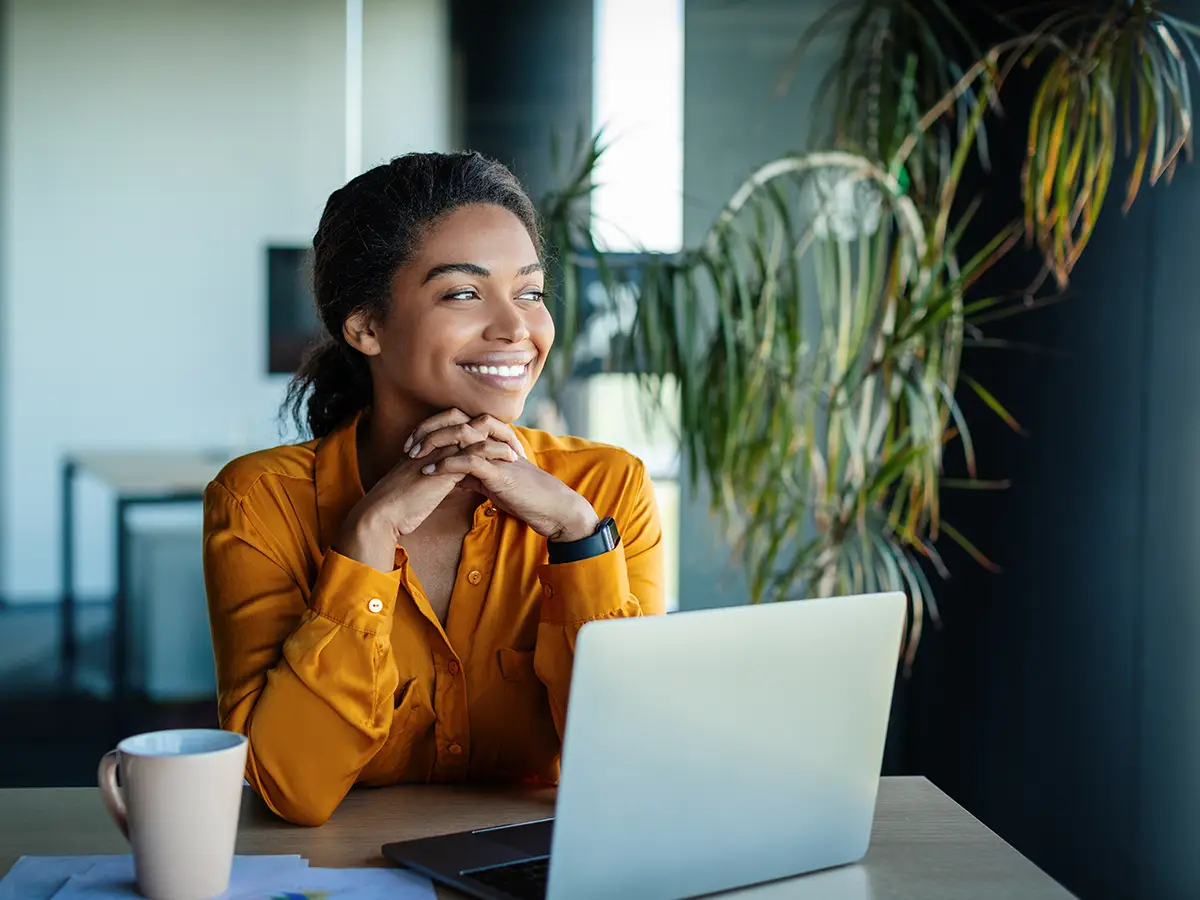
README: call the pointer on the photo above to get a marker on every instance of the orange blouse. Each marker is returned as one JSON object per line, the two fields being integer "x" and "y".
{"x": 339, "y": 673}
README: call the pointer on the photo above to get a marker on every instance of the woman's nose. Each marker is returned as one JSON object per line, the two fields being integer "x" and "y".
{"x": 507, "y": 323}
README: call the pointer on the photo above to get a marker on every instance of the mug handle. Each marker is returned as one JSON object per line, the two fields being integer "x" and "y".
{"x": 106, "y": 775}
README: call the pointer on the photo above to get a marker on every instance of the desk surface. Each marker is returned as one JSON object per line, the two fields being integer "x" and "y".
{"x": 924, "y": 845}
{"x": 153, "y": 473}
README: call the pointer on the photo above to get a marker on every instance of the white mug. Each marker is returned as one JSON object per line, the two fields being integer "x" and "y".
{"x": 178, "y": 802}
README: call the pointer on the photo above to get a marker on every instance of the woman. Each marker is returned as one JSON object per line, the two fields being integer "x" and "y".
{"x": 398, "y": 599}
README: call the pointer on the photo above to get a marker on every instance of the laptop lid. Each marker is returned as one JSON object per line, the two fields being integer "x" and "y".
{"x": 714, "y": 749}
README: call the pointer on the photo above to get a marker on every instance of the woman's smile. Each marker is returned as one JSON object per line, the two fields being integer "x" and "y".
{"x": 507, "y": 372}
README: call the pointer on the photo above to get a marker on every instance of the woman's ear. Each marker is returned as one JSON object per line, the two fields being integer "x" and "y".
{"x": 359, "y": 329}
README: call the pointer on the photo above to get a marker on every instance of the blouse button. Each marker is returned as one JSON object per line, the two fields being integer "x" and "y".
{"x": 454, "y": 749}
{"x": 474, "y": 576}
{"x": 489, "y": 511}
{"x": 376, "y": 605}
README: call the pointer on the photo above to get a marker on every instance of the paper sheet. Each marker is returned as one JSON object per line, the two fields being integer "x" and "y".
{"x": 41, "y": 877}
{"x": 343, "y": 884}
{"x": 253, "y": 878}
{"x": 45, "y": 877}
{"x": 113, "y": 879}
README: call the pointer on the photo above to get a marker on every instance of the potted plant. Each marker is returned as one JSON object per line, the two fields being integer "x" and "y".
{"x": 815, "y": 336}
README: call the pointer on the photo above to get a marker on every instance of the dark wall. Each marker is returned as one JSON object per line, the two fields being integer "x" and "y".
{"x": 1168, "y": 864}
{"x": 1059, "y": 702}
{"x": 1026, "y": 703}
{"x": 523, "y": 69}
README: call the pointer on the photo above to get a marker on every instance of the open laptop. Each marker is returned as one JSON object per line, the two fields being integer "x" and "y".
{"x": 704, "y": 751}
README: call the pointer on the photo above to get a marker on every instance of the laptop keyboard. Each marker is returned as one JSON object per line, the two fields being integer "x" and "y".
{"x": 525, "y": 880}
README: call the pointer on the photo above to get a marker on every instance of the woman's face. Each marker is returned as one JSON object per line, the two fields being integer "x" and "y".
{"x": 467, "y": 327}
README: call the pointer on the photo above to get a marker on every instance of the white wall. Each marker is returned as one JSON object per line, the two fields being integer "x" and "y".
{"x": 151, "y": 149}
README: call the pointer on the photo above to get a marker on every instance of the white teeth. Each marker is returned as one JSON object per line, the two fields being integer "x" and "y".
{"x": 502, "y": 371}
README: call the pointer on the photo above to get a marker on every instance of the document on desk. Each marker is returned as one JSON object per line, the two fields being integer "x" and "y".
{"x": 44, "y": 877}
{"x": 343, "y": 884}
{"x": 112, "y": 878}
{"x": 41, "y": 877}
{"x": 253, "y": 878}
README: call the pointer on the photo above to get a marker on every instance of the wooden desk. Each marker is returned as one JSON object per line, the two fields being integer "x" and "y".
{"x": 924, "y": 846}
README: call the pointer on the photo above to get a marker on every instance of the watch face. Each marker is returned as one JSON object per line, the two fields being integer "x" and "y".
{"x": 609, "y": 529}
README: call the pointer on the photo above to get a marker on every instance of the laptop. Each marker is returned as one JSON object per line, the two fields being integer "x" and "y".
{"x": 704, "y": 751}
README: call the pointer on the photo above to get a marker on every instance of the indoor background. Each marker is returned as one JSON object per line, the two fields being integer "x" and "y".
{"x": 157, "y": 152}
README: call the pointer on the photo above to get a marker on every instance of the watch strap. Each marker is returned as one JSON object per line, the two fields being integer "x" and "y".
{"x": 601, "y": 541}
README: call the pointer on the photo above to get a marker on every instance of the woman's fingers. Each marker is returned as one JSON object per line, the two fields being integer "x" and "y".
{"x": 500, "y": 431}
{"x": 488, "y": 472}
{"x": 442, "y": 420}
{"x": 465, "y": 434}
{"x": 485, "y": 452}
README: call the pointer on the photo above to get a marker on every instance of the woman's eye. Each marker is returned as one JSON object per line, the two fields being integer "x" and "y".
{"x": 535, "y": 296}
{"x": 465, "y": 294}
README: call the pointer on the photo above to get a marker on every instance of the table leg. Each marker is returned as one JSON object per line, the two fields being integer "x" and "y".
{"x": 120, "y": 659}
{"x": 67, "y": 647}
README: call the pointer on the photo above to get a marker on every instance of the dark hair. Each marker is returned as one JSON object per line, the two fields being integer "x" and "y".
{"x": 371, "y": 227}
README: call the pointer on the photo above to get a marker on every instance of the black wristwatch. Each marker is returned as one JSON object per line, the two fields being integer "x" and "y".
{"x": 604, "y": 539}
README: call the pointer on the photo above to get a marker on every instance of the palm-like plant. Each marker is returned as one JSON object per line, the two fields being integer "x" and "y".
{"x": 1125, "y": 64}
{"x": 815, "y": 335}
{"x": 899, "y": 60}
{"x": 813, "y": 398}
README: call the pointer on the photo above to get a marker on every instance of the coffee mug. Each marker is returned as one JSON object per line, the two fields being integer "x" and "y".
{"x": 178, "y": 802}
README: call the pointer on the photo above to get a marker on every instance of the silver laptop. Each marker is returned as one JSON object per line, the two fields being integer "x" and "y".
{"x": 704, "y": 751}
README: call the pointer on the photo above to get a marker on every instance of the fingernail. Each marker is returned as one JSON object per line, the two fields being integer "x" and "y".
{"x": 428, "y": 470}
{"x": 408, "y": 443}
{"x": 415, "y": 451}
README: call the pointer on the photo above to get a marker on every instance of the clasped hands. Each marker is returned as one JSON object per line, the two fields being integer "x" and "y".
{"x": 450, "y": 451}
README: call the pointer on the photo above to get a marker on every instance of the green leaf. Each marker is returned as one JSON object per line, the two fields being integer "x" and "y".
{"x": 994, "y": 404}
{"x": 955, "y": 535}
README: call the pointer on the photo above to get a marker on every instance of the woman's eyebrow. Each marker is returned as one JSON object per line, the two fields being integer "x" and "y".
{"x": 451, "y": 268}
{"x": 478, "y": 271}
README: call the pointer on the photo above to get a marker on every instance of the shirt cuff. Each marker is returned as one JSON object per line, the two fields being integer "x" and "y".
{"x": 354, "y": 594}
{"x": 584, "y": 590}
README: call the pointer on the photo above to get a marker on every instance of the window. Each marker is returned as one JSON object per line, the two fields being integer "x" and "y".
{"x": 637, "y": 205}
{"x": 637, "y": 100}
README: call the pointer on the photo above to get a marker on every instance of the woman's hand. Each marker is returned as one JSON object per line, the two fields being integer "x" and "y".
{"x": 516, "y": 486}
{"x": 521, "y": 489}
{"x": 399, "y": 502}
{"x": 454, "y": 428}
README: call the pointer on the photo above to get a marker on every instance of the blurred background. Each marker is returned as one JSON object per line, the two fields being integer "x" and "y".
{"x": 164, "y": 164}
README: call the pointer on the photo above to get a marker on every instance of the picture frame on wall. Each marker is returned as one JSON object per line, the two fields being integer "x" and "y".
{"x": 292, "y": 322}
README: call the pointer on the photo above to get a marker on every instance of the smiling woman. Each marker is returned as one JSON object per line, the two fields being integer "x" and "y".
{"x": 398, "y": 598}
{"x": 448, "y": 340}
